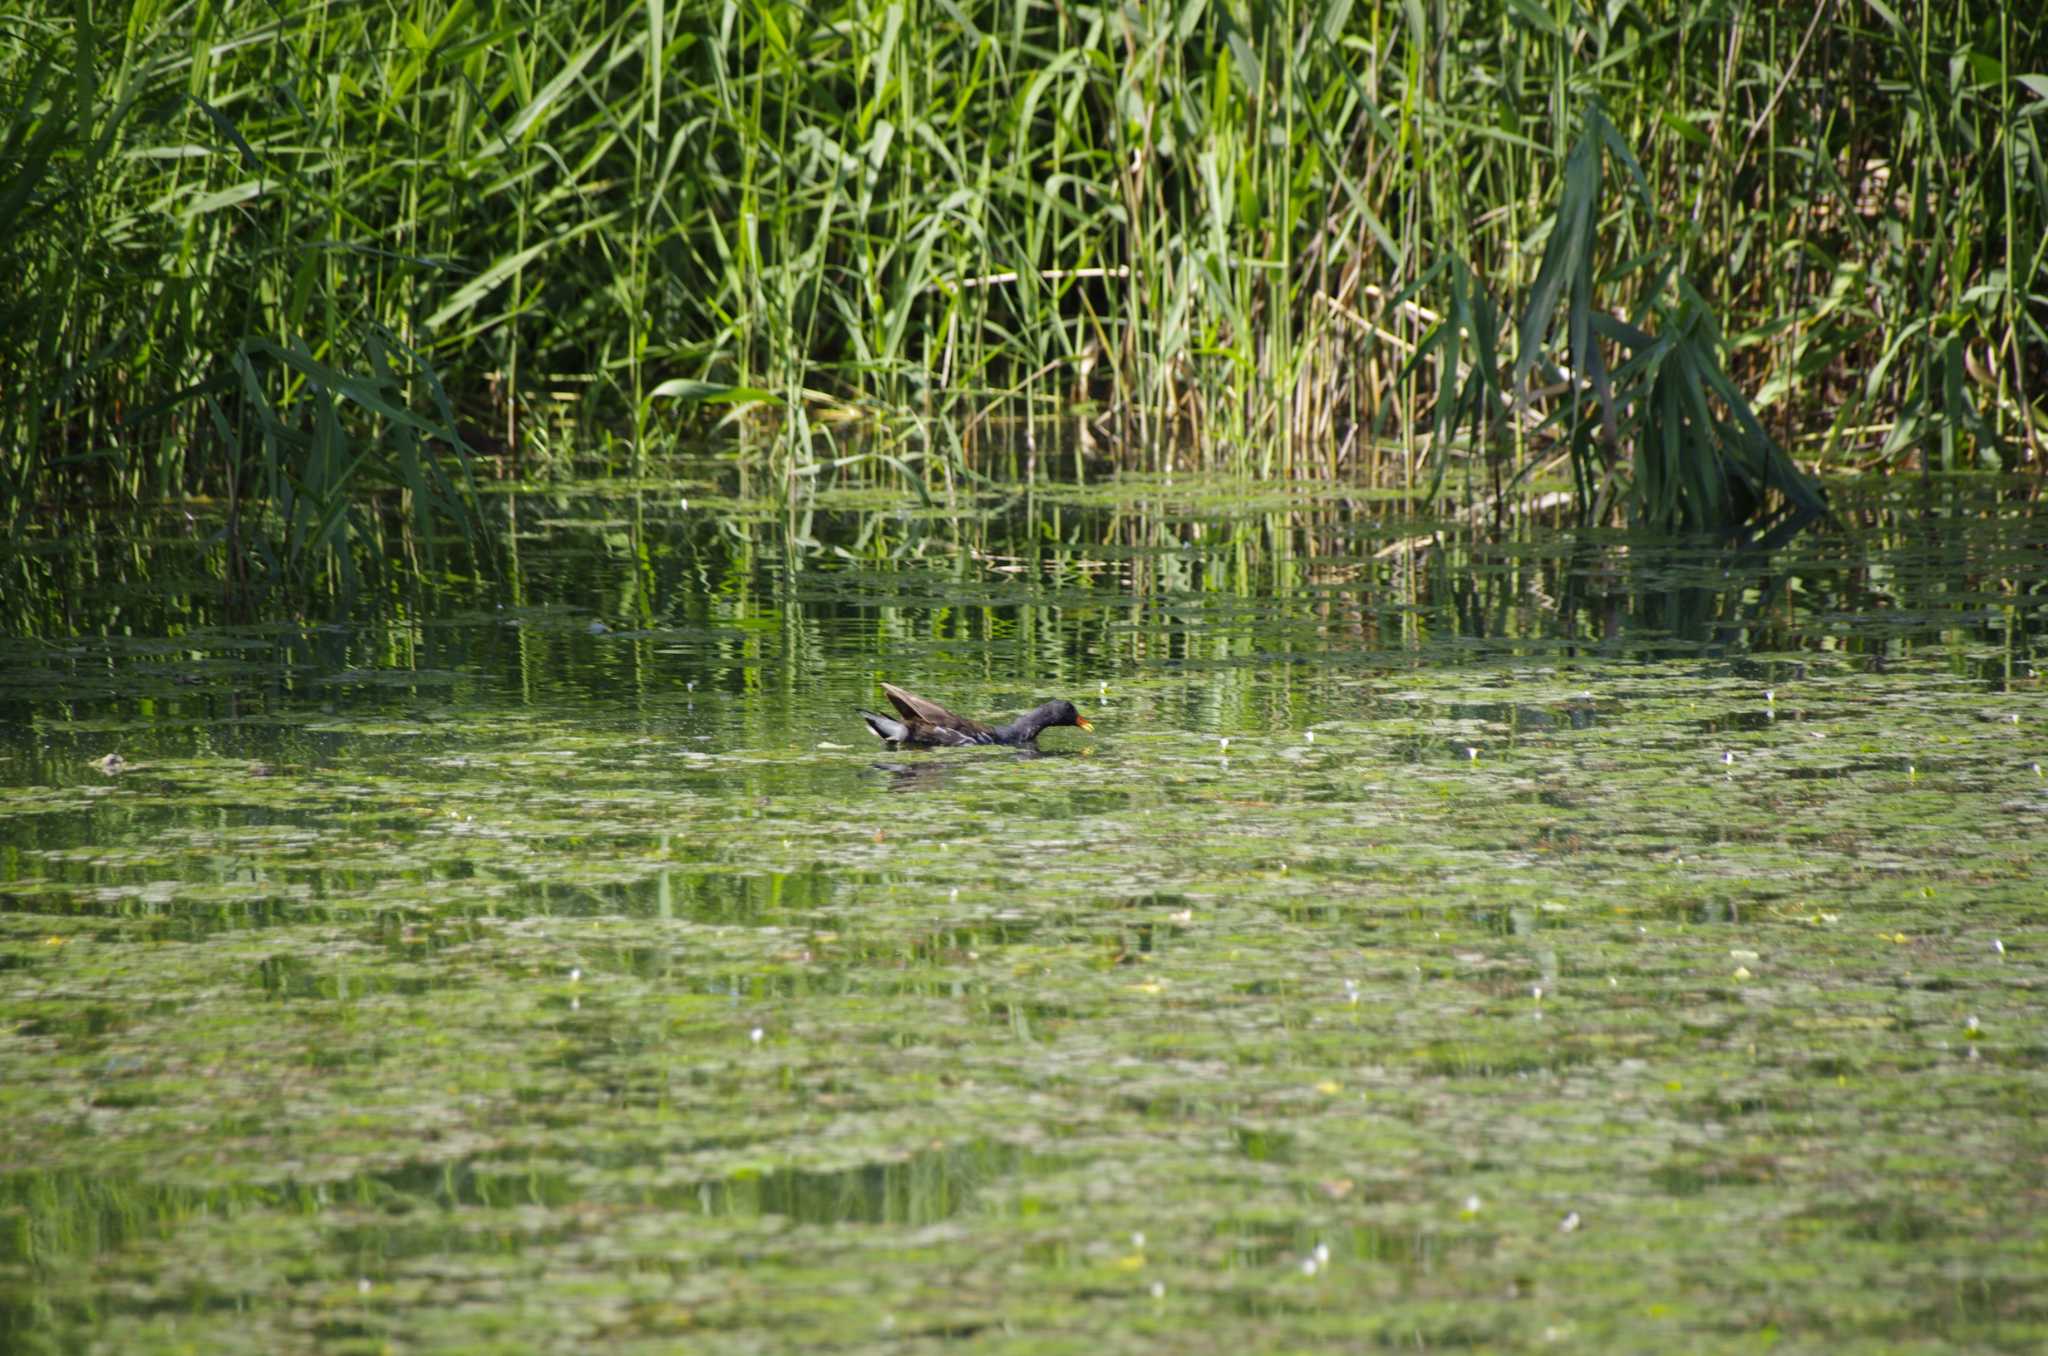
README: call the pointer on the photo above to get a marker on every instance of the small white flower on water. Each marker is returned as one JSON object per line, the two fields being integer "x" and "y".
{"x": 690, "y": 686}
{"x": 1471, "y": 753}
{"x": 1351, "y": 992}
{"x": 575, "y": 1004}
{"x": 2014, "y": 717}
{"x": 1971, "y": 1025}
{"x": 1472, "y": 1204}
{"x": 683, "y": 504}
{"x": 755, "y": 1035}
{"x": 1308, "y": 1266}
{"x": 575, "y": 973}
{"x": 1103, "y": 690}
{"x": 1322, "y": 1254}
{"x": 1769, "y": 696}
{"x": 1138, "y": 1238}
{"x": 1310, "y": 736}
{"x": 1224, "y": 743}
{"x": 1613, "y": 983}
{"x": 1537, "y": 990}
{"x": 1159, "y": 1290}
{"x": 1728, "y": 757}
{"x": 362, "y": 1285}
{"x": 1568, "y": 1223}
{"x": 953, "y": 895}
{"x": 1998, "y": 946}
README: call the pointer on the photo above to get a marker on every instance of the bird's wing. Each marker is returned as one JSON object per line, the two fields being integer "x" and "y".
{"x": 915, "y": 707}
{"x": 933, "y": 723}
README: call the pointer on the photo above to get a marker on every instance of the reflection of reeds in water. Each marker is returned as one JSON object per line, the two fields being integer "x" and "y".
{"x": 1055, "y": 592}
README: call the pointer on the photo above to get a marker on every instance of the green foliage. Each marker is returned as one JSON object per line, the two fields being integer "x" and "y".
{"x": 1667, "y": 430}
{"x": 1011, "y": 240}
{"x": 188, "y": 312}
{"x": 317, "y": 517}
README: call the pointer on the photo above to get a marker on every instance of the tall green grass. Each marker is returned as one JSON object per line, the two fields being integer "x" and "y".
{"x": 940, "y": 242}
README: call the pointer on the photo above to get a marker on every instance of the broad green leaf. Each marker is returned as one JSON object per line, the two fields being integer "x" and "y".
{"x": 711, "y": 393}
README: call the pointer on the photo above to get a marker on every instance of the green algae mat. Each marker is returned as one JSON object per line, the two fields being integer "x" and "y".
{"x": 1549, "y": 942}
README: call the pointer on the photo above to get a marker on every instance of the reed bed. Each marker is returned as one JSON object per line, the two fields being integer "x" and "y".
{"x": 294, "y": 253}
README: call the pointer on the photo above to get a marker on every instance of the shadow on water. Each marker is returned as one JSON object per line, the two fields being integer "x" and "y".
{"x": 919, "y": 1188}
{"x": 66, "y": 1215}
{"x": 392, "y": 1214}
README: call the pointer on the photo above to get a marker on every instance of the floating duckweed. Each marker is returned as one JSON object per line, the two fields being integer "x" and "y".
{"x": 298, "y": 1021}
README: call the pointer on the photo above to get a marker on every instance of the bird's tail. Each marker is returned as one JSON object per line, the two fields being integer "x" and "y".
{"x": 884, "y": 727}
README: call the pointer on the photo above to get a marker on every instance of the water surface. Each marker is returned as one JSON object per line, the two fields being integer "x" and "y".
{"x": 1447, "y": 937}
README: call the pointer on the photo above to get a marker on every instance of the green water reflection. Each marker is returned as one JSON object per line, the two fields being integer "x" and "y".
{"x": 1496, "y": 939}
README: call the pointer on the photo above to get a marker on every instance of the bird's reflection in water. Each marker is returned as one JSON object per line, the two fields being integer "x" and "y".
{"x": 926, "y": 774}
{"x": 914, "y": 776}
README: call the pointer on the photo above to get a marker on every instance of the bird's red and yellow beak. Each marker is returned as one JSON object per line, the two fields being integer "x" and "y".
{"x": 1082, "y": 721}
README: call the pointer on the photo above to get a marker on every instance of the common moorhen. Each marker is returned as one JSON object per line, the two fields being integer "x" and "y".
{"x": 928, "y": 725}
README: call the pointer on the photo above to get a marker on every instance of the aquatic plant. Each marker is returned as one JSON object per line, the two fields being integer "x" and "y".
{"x": 920, "y": 244}
{"x": 1644, "y": 404}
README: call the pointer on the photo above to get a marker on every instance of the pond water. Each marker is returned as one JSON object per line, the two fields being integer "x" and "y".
{"x": 1444, "y": 938}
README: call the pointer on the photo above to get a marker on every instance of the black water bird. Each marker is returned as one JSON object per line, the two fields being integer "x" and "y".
{"x": 928, "y": 725}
